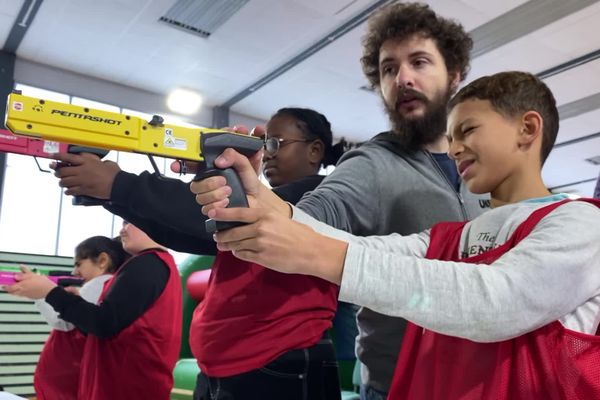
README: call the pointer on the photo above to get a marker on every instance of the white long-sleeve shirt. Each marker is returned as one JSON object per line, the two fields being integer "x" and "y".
{"x": 90, "y": 292}
{"x": 553, "y": 274}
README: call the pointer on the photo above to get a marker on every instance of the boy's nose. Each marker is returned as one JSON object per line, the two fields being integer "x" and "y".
{"x": 455, "y": 149}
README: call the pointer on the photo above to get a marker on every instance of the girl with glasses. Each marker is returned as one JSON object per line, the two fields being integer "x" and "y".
{"x": 259, "y": 334}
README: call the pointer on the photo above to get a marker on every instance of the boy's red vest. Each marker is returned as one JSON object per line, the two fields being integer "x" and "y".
{"x": 138, "y": 362}
{"x": 550, "y": 363}
{"x": 57, "y": 372}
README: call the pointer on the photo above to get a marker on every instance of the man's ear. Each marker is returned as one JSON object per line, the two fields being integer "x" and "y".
{"x": 532, "y": 128}
{"x": 454, "y": 78}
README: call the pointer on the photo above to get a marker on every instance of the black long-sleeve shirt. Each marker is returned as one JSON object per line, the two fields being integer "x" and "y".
{"x": 134, "y": 290}
{"x": 167, "y": 211}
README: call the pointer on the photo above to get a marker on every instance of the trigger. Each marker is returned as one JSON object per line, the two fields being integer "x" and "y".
{"x": 182, "y": 167}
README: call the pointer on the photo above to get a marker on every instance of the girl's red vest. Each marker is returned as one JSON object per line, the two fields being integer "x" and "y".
{"x": 549, "y": 363}
{"x": 138, "y": 362}
{"x": 251, "y": 315}
{"x": 57, "y": 373}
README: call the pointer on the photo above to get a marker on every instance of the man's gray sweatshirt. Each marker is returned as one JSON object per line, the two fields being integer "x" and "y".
{"x": 379, "y": 189}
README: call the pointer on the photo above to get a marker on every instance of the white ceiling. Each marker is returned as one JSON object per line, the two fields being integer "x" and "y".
{"x": 122, "y": 41}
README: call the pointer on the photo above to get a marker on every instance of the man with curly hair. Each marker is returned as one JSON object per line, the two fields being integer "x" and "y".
{"x": 400, "y": 181}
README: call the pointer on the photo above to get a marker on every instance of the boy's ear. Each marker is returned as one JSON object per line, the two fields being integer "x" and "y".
{"x": 531, "y": 129}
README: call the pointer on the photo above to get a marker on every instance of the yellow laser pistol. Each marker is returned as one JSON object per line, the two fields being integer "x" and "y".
{"x": 87, "y": 127}
{"x": 83, "y": 126}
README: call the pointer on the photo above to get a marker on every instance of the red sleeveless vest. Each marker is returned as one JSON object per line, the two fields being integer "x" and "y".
{"x": 549, "y": 363}
{"x": 57, "y": 372}
{"x": 138, "y": 362}
{"x": 251, "y": 315}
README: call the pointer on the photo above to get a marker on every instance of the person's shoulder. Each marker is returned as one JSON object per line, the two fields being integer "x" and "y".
{"x": 293, "y": 191}
{"x": 309, "y": 182}
{"x": 382, "y": 148}
{"x": 573, "y": 215}
{"x": 381, "y": 141}
{"x": 144, "y": 257}
{"x": 96, "y": 281}
{"x": 147, "y": 265}
{"x": 587, "y": 207}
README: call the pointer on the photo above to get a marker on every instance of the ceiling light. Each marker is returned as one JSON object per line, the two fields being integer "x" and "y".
{"x": 183, "y": 101}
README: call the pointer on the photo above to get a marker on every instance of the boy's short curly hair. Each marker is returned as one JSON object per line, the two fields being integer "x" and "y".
{"x": 513, "y": 93}
{"x": 403, "y": 20}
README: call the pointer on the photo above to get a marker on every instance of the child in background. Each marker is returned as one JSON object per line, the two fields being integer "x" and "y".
{"x": 134, "y": 333}
{"x": 506, "y": 306}
{"x": 57, "y": 372}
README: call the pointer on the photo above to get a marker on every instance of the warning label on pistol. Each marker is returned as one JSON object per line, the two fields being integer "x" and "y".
{"x": 173, "y": 142}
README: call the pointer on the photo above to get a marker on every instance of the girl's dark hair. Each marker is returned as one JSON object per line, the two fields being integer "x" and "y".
{"x": 92, "y": 247}
{"x": 315, "y": 125}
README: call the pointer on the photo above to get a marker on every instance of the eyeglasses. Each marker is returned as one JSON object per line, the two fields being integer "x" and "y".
{"x": 273, "y": 144}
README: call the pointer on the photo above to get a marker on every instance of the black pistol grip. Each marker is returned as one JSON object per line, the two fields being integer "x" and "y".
{"x": 236, "y": 199}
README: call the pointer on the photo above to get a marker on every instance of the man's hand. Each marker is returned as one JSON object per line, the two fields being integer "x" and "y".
{"x": 276, "y": 242}
{"x": 30, "y": 285}
{"x": 85, "y": 174}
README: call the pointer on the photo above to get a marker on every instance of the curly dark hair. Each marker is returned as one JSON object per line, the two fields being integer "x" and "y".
{"x": 403, "y": 20}
{"x": 513, "y": 93}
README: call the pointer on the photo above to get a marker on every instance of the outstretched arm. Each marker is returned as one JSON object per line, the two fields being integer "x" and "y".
{"x": 545, "y": 278}
{"x": 134, "y": 290}
{"x": 164, "y": 208}
{"x": 549, "y": 275}
{"x": 275, "y": 241}
{"x": 310, "y": 248}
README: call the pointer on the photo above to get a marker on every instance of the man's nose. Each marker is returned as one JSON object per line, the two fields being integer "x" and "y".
{"x": 405, "y": 77}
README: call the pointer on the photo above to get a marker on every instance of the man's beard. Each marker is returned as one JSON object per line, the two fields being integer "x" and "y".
{"x": 414, "y": 133}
